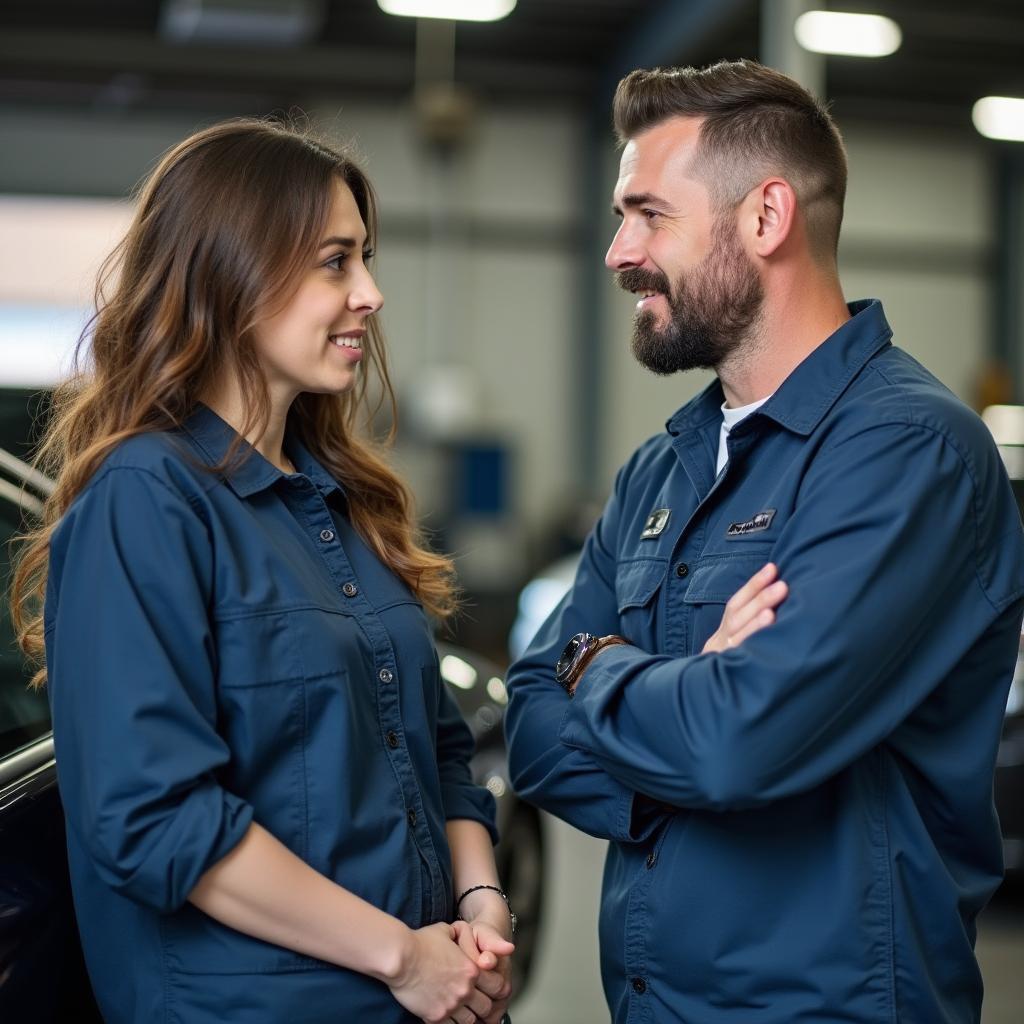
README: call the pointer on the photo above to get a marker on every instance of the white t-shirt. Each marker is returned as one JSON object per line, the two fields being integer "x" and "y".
{"x": 730, "y": 417}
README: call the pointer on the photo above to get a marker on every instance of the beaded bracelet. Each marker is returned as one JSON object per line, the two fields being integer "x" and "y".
{"x": 493, "y": 888}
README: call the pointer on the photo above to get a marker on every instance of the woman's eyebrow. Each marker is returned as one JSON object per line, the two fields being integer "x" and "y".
{"x": 348, "y": 243}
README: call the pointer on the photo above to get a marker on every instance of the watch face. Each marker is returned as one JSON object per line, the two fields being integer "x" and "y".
{"x": 573, "y": 649}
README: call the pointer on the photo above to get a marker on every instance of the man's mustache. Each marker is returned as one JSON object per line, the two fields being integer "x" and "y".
{"x": 638, "y": 280}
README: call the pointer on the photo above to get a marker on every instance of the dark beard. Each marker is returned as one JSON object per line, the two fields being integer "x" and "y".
{"x": 711, "y": 309}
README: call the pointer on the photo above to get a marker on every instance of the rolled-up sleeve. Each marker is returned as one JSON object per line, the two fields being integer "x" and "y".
{"x": 890, "y": 585}
{"x": 131, "y": 673}
{"x": 460, "y": 796}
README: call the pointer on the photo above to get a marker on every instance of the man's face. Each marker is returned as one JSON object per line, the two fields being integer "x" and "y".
{"x": 699, "y": 292}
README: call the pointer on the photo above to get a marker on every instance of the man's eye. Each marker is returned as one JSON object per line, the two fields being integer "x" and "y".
{"x": 650, "y": 214}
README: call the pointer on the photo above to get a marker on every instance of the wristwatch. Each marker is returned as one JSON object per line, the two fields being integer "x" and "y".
{"x": 578, "y": 654}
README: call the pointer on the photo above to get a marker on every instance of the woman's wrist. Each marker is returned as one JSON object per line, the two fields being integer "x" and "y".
{"x": 394, "y": 954}
{"x": 487, "y": 906}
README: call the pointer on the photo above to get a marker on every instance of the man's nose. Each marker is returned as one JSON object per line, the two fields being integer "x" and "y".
{"x": 623, "y": 253}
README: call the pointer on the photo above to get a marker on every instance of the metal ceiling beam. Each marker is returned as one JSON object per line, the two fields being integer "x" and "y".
{"x": 143, "y": 53}
{"x": 35, "y": 54}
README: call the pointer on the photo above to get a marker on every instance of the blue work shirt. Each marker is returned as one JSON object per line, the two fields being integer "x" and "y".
{"x": 223, "y": 650}
{"x": 802, "y": 827}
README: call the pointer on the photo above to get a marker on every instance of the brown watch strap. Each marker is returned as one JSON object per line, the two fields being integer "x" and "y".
{"x": 612, "y": 640}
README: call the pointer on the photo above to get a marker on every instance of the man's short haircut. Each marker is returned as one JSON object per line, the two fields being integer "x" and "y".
{"x": 757, "y": 122}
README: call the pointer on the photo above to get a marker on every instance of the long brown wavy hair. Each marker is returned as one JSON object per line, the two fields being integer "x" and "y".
{"x": 222, "y": 235}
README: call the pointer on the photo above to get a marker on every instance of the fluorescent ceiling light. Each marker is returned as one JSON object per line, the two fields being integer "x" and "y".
{"x": 453, "y": 10}
{"x": 850, "y": 35}
{"x": 1000, "y": 117}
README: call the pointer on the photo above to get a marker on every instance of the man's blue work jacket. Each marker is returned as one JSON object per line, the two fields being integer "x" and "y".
{"x": 223, "y": 650}
{"x": 802, "y": 827}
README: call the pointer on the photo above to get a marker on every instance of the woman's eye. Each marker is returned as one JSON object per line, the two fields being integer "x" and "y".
{"x": 338, "y": 261}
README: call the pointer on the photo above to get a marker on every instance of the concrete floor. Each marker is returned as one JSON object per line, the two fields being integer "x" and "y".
{"x": 566, "y": 988}
{"x": 1001, "y": 954}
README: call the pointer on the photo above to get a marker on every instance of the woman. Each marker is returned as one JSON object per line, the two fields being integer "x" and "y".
{"x": 269, "y": 805}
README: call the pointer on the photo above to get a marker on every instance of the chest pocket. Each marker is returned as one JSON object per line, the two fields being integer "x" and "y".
{"x": 637, "y": 582}
{"x": 283, "y": 678}
{"x": 712, "y": 583}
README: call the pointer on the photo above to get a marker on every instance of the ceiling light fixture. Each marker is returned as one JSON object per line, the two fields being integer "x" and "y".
{"x": 848, "y": 35}
{"x": 1000, "y": 117}
{"x": 452, "y": 10}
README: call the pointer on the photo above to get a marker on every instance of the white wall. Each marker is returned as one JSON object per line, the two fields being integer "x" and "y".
{"x": 493, "y": 305}
{"x": 918, "y": 234}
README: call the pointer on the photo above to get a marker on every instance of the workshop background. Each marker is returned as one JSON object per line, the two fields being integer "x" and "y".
{"x": 489, "y": 144}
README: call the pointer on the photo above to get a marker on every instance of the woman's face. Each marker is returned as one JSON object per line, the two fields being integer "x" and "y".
{"x": 315, "y": 342}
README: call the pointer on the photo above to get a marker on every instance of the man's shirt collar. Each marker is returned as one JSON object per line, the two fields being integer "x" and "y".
{"x": 807, "y": 394}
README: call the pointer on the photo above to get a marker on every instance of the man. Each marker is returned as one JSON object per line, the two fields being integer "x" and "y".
{"x": 797, "y": 784}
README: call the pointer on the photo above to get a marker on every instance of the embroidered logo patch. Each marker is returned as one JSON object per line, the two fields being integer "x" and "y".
{"x": 753, "y": 525}
{"x": 656, "y": 523}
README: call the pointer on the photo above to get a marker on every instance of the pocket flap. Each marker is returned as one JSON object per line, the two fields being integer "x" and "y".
{"x": 637, "y": 581}
{"x": 715, "y": 582}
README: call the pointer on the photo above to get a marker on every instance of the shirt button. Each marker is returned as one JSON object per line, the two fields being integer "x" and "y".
{"x": 350, "y": 590}
{"x": 412, "y": 819}
{"x": 392, "y": 738}
{"x": 639, "y": 986}
{"x": 682, "y": 569}
{"x": 327, "y": 536}
{"x": 651, "y": 859}
{"x": 385, "y": 676}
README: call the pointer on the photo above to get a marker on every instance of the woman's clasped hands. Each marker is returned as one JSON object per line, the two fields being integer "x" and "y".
{"x": 455, "y": 973}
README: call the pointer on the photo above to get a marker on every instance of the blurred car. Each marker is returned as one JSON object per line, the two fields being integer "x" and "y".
{"x": 42, "y": 973}
{"x": 541, "y": 595}
{"x": 479, "y": 690}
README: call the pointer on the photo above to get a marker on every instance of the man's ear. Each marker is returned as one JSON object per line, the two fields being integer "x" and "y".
{"x": 769, "y": 216}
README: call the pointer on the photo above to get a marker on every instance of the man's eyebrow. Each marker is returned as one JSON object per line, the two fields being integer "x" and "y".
{"x": 347, "y": 243}
{"x": 634, "y": 199}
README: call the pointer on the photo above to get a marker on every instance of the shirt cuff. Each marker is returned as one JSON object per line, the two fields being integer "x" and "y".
{"x": 209, "y": 824}
{"x": 470, "y": 802}
{"x": 610, "y": 670}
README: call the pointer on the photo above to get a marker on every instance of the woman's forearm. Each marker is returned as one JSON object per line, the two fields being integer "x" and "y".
{"x": 262, "y": 889}
{"x": 472, "y": 865}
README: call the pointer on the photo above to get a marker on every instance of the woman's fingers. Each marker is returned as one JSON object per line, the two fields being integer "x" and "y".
{"x": 491, "y": 983}
{"x": 479, "y": 1003}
